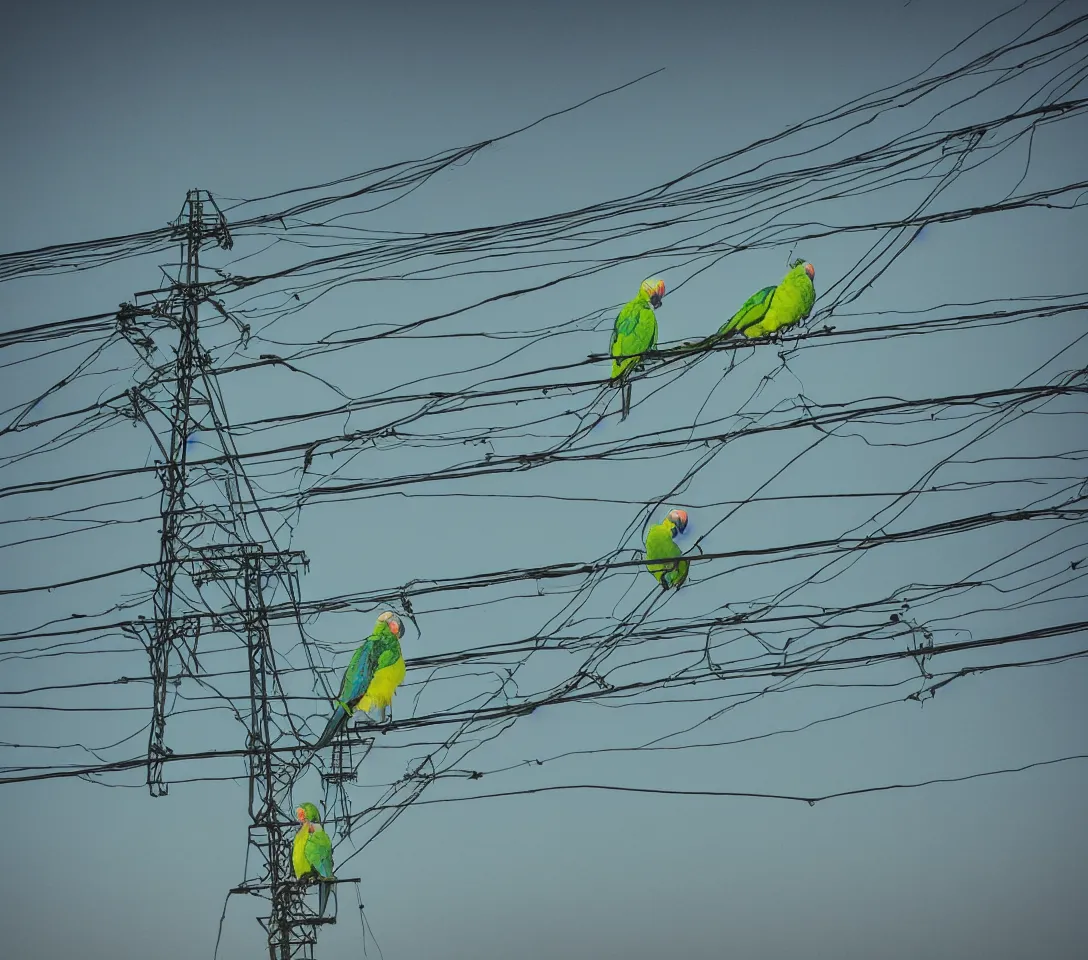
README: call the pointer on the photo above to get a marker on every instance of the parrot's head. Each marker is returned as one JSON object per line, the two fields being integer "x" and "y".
{"x": 679, "y": 520}
{"x": 308, "y": 813}
{"x": 654, "y": 289}
{"x": 809, "y": 268}
{"x": 392, "y": 621}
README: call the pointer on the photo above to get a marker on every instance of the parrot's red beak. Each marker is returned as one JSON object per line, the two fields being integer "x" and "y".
{"x": 811, "y": 271}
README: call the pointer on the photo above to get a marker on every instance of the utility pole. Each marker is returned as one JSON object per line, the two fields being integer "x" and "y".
{"x": 291, "y": 925}
{"x": 242, "y": 568}
{"x": 195, "y": 225}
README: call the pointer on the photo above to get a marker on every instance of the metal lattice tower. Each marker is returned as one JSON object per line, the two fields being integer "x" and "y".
{"x": 291, "y": 924}
{"x": 241, "y": 567}
{"x": 199, "y": 222}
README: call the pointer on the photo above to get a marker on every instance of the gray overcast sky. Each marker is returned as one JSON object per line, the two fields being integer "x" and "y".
{"x": 112, "y": 113}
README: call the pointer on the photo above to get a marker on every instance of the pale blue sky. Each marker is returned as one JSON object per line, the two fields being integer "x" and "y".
{"x": 112, "y": 116}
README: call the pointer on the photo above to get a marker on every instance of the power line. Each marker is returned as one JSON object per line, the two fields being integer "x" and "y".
{"x": 506, "y": 411}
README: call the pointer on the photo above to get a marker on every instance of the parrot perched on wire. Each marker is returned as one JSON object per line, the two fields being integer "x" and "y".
{"x": 772, "y": 308}
{"x": 371, "y": 678}
{"x": 660, "y": 545}
{"x": 634, "y": 332}
{"x": 312, "y": 852}
{"x": 775, "y": 308}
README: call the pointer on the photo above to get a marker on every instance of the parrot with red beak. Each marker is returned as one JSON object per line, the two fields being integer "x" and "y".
{"x": 661, "y": 545}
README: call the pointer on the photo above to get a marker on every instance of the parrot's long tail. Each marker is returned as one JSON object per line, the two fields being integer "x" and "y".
{"x": 626, "y": 395}
{"x": 332, "y": 728}
{"x": 322, "y": 898}
{"x": 713, "y": 340}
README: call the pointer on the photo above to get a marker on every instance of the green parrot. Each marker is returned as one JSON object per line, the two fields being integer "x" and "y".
{"x": 660, "y": 545}
{"x": 773, "y": 308}
{"x": 312, "y": 852}
{"x": 371, "y": 678}
{"x": 634, "y": 332}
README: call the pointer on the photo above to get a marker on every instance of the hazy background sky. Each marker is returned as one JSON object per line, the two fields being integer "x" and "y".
{"x": 111, "y": 113}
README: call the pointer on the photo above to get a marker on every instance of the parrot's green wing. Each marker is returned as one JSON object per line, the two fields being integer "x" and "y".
{"x": 625, "y": 323}
{"x": 319, "y": 852}
{"x": 360, "y": 671}
{"x": 635, "y": 330}
{"x": 754, "y": 309}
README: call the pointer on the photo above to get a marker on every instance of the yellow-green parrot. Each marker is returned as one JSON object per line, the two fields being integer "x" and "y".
{"x": 660, "y": 545}
{"x": 772, "y": 308}
{"x": 635, "y": 331}
{"x": 311, "y": 854}
{"x": 775, "y": 308}
{"x": 372, "y": 677}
